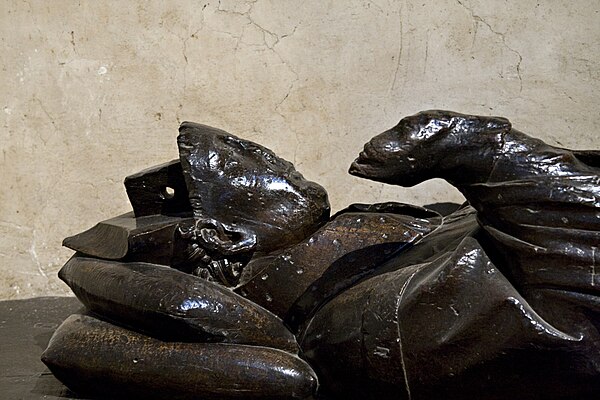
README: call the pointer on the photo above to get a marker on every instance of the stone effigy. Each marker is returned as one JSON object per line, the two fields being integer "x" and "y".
{"x": 230, "y": 280}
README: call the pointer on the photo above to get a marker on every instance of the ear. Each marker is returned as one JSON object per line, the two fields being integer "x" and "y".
{"x": 430, "y": 125}
{"x": 493, "y": 125}
{"x": 225, "y": 239}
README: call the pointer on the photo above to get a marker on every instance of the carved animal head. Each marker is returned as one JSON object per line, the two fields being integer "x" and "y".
{"x": 426, "y": 145}
{"x": 244, "y": 197}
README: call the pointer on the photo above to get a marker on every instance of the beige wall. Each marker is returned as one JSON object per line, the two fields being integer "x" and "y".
{"x": 92, "y": 92}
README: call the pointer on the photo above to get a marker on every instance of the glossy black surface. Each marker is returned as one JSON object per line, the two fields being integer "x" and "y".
{"x": 538, "y": 211}
{"x": 348, "y": 248}
{"x": 495, "y": 299}
{"x": 539, "y": 205}
{"x": 126, "y": 364}
{"x": 159, "y": 190}
{"x": 243, "y": 195}
{"x": 152, "y": 238}
{"x": 172, "y": 305}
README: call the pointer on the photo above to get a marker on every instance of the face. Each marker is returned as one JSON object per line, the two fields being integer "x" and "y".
{"x": 410, "y": 153}
{"x": 396, "y": 156}
{"x": 245, "y": 188}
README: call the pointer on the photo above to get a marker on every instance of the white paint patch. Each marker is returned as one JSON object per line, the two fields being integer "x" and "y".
{"x": 8, "y": 110}
{"x": 34, "y": 256}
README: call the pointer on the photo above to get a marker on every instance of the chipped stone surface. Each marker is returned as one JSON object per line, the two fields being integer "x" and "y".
{"x": 95, "y": 91}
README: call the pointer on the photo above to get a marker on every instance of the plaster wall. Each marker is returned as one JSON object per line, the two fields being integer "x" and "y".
{"x": 94, "y": 91}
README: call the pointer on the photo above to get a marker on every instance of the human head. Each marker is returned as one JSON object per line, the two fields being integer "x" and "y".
{"x": 244, "y": 197}
{"x": 422, "y": 146}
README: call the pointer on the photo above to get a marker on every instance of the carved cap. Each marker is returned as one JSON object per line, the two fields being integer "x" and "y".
{"x": 242, "y": 184}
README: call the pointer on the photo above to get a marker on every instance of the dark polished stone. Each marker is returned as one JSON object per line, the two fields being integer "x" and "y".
{"x": 172, "y": 305}
{"x": 495, "y": 299}
{"x": 129, "y": 364}
{"x": 150, "y": 238}
{"x": 159, "y": 190}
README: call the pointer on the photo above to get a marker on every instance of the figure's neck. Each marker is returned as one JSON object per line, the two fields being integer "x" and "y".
{"x": 502, "y": 157}
{"x": 469, "y": 162}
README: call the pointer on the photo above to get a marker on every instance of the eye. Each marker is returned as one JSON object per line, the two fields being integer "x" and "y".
{"x": 393, "y": 147}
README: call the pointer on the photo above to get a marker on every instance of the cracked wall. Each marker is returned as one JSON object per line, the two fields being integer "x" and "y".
{"x": 95, "y": 91}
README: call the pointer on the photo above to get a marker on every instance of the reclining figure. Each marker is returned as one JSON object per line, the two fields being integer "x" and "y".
{"x": 230, "y": 281}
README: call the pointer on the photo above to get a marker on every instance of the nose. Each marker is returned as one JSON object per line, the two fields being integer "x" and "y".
{"x": 368, "y": 150}
{"x": 356, "y": 167}
{"x": 364, "y": 158}
{"x": 359, "y": 162}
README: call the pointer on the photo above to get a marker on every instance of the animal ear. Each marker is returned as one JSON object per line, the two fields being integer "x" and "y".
{"x": 495, "y": 124}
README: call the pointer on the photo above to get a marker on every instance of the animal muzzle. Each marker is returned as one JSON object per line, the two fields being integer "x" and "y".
{"x": 374, "y": 159}
{"x": 361, "y": 166}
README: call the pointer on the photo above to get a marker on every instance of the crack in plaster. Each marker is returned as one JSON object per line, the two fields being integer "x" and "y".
{"x": 32, "y": 251}
{"x": 376, "y": 6}
{"x": 184, "y": 52}
{"x": 399, "y": 53}
{"x": 185, "y": 58}
{"x": 73, "y": 43}
{"x": 426, "y": 52}
{"x": 269, "y": 44}
{"x": 275, "y": 39}
{"x": 477, "y": 19}
{"x": 45, "y": 111}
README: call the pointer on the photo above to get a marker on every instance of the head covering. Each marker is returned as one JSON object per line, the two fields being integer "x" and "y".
{"x": 242, "y": 184}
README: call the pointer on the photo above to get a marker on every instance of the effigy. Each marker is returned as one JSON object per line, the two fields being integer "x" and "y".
{"x": 230, "y": 279}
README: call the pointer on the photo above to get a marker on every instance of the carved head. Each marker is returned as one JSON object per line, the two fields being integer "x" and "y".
{"x": 426, "y": 145}
{"x": 245, "y": 199}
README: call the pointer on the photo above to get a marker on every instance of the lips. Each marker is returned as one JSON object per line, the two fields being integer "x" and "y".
{"x": 360, "y": 165}
{"x": 355, "y": 168}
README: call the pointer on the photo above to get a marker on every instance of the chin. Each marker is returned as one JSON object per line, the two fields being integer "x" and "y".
{"x": 380, "y": 173}
{"x": 404, "y": 181}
